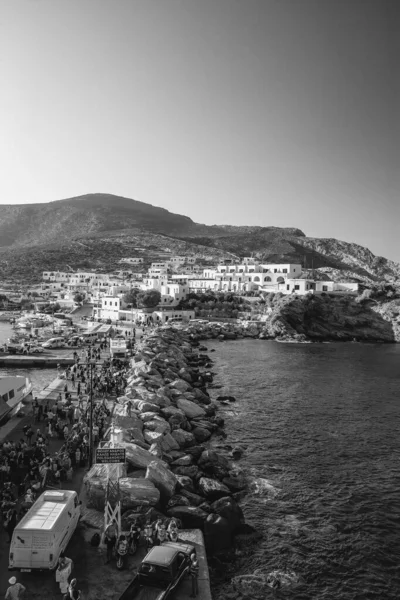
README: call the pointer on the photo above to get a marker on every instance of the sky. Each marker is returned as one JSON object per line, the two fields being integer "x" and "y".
{"x": 242, "y": 112}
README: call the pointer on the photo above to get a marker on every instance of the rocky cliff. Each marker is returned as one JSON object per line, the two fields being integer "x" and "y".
{"x": 316, "y": 319}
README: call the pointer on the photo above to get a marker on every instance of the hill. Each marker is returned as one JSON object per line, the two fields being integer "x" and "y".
{"x": 95, "y": 231}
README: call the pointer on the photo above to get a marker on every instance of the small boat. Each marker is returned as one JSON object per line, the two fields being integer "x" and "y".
{"x": 15, "y": 390}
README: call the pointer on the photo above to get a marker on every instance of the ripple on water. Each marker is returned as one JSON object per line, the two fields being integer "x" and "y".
{"x": 321, "y": 424}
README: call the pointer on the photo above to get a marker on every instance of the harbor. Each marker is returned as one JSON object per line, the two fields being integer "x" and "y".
{"x": 95, "y": 578}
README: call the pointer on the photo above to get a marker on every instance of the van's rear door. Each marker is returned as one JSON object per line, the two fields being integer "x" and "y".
{"x": 41, "y": 549}
{"x": 21, "y": 548}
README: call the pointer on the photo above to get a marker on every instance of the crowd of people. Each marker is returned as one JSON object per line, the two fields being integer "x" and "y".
{"x": 27, "y": 466}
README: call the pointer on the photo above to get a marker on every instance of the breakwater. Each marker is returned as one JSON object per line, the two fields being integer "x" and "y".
{"x": 165, "y": 421}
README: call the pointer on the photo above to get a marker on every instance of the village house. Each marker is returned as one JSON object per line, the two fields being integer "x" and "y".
{"x": 60, "y": 276}
{"x": 173, "y": 293}
{"x": 135, "y": 260}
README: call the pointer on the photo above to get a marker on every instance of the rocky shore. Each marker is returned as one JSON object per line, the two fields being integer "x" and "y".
{"x": 169, "y": 426}
{"x": 305, "y": 319}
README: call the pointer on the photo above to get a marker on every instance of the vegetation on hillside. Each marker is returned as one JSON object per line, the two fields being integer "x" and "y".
{"x": 216, "y": 305}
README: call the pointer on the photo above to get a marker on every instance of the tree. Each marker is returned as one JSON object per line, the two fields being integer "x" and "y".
{"x": 78, "y": 297}
{"x": 131, "y": 297}
{"x": 149, "y": 299}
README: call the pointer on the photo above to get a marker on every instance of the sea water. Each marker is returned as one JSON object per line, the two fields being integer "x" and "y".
{"x": 321, "y": 427}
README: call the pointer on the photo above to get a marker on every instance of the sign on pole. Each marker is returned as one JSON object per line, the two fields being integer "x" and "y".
{"x": 110, "y": 455}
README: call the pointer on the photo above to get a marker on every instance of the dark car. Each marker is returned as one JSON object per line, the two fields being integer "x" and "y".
{"x": 161, "y": 571}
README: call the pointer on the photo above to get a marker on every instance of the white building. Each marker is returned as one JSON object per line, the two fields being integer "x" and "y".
{"x": 60, "y": 276}
{"x": 309, "y": 286}
{"x": 135, "y": 260}
{"x": 177, "y": 260}
{"x": 173, "y": 293}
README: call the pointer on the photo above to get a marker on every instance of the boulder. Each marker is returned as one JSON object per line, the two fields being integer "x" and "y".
{"x": 152, "y": 437}
{"x": 168, "y": 443}
{"x": 160, "y": 425}
{"x": 228, "y": 508}
{"x": 212, "y": 489}
{"x": 135, "y": 492}
{"x": 184, "y": 483}
{"x": 195, "y": 451}
{"x": 163, "y": 479}
{"x": 169, "y": 411}
{"x": 180, "y": 385}
{"x": 178, "y": 500}
{"x": 177, "y": 421}
{"x": 147, "y": 416}
{"x": 213, "y": 462}
{"x": 131, "y": 435}
{"x": 192, "y": 471}
{"x": 184, "y": 438}
{"x": 192, "y": 517}
{"x": 201, "y": 434}
{"x": 235, "y": 482}
{"x": 144, "y": 406}
{"x": 237, "y": 452}
{"x": 194, "y": 499}
{"x": 137, "y": 457}
{"x": 183, "y": 461}
{"x": 190, "y": 409}
{"x": 155, "y": 450}
{"x": 201, "y": 396}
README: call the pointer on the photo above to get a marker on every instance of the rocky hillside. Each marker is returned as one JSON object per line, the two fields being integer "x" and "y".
{"x": 310, "y": 319}
{"x": 325, "y": 318}
{"x": 37, "y": 224}
{"x": 95, "y": 230}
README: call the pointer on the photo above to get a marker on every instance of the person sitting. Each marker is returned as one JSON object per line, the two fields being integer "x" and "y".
{"x": 173, "y": 530}
{"x": 162, "y": 535}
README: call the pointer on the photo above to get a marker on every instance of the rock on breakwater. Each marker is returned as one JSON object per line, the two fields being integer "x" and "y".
{"x": 164, "y": 420}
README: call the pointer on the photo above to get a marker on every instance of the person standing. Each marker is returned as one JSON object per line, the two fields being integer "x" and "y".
{"x": 15, "y": 591}
{"x": 11, "y": 523}
{"x": 72, "y": 593}
{"x": 111, "y": 536}
{"x": 194, "y": 574}
{"x": 63, "y": 572}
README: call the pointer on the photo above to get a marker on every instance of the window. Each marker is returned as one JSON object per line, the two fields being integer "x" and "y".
{"x": 285, "y": 270}
{"x": 287, "y": 286}
{"x": 11, "y": 394}
{"x": 105, "y": 302}
{"x": 296, "y": 287}
{"x": 324, "y": 288}
{"x": 275, "y": 270}
{"x": 116, "y": 304}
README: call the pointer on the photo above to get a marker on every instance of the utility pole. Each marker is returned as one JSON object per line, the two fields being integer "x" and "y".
{"x": 91, "y": 365}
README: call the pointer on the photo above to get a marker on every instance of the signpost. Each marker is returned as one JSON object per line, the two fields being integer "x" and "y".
{"x": 110, "y": 455}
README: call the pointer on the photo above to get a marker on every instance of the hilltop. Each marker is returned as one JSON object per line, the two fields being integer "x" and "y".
{"x": 95, "y": 231}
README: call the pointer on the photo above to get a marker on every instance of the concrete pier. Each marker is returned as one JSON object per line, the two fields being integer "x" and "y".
{"x": 34, "y": 362}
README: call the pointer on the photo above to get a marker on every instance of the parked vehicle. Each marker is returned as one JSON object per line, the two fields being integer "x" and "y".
{"x": 32, "y": 349}
{"x": 161, "y": 571}
{"x": 56, "y": 342}
{"x": 44, "y": 532}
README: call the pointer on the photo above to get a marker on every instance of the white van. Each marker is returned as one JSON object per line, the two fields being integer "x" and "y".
{"x": 56, "y": 342}
{"x": 89, "y": 336}
{"x": 44, "y": 532}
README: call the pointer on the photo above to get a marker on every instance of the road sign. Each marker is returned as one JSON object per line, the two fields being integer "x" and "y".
{"x": 110, "y": 455}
